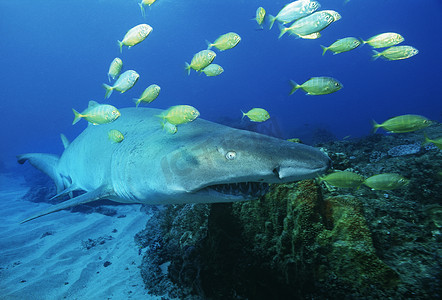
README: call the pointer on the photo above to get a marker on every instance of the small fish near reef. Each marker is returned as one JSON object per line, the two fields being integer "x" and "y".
{"x": 97, "y": 114}
{"x": 342, "y": 45}
{"x": 124, "y": 83}
{"x": 396, "y": 53}
{"x": 260, "y": 16}
{"x": 257, "y": 115}
{"x": 213, "y": 70}
{"x": 294, "y": 10}
{"x": 135, "y": 36}
{"x": 200, "y": 60}
{"x": 115, "y": 68}
{"x": 149, "y": 94}
{"x": 115, "y": 136}
{"x": 317, "y": 86}
{"x": 225, "y": 41}
{"x": 180, "y": 114}
{"x": 384, "y": 40}
{"x": 386, "y": 181}
{"x": 403, "y": 123}
{"x": 437, "y": 142}
{"x": 343, "y": 179}
{"x": 145, "y": 3}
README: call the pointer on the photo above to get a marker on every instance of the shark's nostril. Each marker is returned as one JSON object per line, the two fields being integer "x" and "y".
{"x": 276, "y": 172}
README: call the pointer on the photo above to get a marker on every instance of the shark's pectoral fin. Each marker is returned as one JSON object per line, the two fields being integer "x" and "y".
{"x": 100, "y": 193}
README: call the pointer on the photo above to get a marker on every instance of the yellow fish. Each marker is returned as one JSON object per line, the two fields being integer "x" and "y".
{"x": 170, "y": 128}
{"x": 260, "y": 16}
{"x": 97, "y": 114}
{"x": 404, "y": 123}
{"x": 144, "y": 3}
{"x": 225, "y": 41}
{"x": 437, "y": 142}
{"x": 342, "y": 45}
{"x": 180, "y": 114}
{"x": 115, "y": 68}
{"x": 396, "y": 53}
{"x": 384, "y": 40}
{"x": 317, "y": 86}
{"x": 115, "y": 136}
{"x": 386, "y": 181}
{"x": 135, "y": 36}
{"x": 343, "y": 179}
{"x": 213, "y": 70}
{"x": 257, "y": 115}
{"x": 149, "y": 94}
{"x": 201, "y": 60}
{"x": 124, "y": 83}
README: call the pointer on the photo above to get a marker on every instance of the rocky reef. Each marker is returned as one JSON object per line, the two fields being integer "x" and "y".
{"x": 306, "y": 240}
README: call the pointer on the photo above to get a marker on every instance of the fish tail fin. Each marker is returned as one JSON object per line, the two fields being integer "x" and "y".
{"x": 77, "y": 117}
{"x": 271, "y": 21}
{"x": 143, "y": 11}
{"x": 295, "y": 87}
{"x": 375, "y": 126}
{"x": 209, "y": 45}
{"x": 108, "y": 89}
{"x": 243, "y": 114}
{"x": 324, "y": 49}
{"x": 283, "y": 30}
{"x": 120, "y": 44}
{"x": 427, "y": 139}
{"x": 46, "y": 163}
{"x": 137, "y": 101}
{"x": 375, "y": 55}
{"x": 187, "y": 67}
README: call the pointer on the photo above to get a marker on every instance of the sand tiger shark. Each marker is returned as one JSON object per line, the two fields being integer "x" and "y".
{"x": 204, "y": 162}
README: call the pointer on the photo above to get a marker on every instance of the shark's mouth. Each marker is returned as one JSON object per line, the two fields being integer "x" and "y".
{"x": 242, "y": 189}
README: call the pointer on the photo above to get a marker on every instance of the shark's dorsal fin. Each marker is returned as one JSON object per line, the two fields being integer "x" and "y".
{"x": 100, "y": 193}
{"x": 64, "y": 140}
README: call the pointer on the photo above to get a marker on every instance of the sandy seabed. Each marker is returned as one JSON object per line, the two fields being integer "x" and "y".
{"x": 47, "y": 258}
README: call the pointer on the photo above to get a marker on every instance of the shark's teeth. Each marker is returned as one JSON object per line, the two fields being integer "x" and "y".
{"x": 245, "y": 189}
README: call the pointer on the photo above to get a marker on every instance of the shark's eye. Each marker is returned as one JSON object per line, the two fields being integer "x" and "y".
{"x": 231, "y": 155}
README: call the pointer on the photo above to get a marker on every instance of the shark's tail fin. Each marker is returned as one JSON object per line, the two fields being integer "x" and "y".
{"x": 47, "y": 163}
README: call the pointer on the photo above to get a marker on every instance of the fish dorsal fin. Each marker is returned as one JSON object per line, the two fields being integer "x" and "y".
{"x": 92, "y": 103}
{"x": 64, "y": 140}
{"x": 100, "y": 193}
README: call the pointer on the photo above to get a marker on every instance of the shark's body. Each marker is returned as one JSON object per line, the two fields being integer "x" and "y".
{"x": 203, "y": 162}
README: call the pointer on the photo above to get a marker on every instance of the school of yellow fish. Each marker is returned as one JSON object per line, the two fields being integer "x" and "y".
{"x": 307, "y": 22}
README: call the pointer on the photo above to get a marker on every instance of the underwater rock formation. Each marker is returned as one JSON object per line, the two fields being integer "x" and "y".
{"x": 291, "y": 243}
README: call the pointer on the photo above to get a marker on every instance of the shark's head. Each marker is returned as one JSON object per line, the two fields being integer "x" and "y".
{"x": 238, "y": 165}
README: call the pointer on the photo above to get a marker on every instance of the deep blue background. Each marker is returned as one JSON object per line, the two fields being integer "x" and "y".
{"x": 55, "y": 56}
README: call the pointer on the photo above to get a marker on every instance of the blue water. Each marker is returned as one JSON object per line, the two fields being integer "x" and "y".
{"x": 55, "y": 56}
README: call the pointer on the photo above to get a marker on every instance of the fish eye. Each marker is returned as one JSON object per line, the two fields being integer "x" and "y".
{"x": 336, "y": 84}
{"x": 231, "y": 155}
